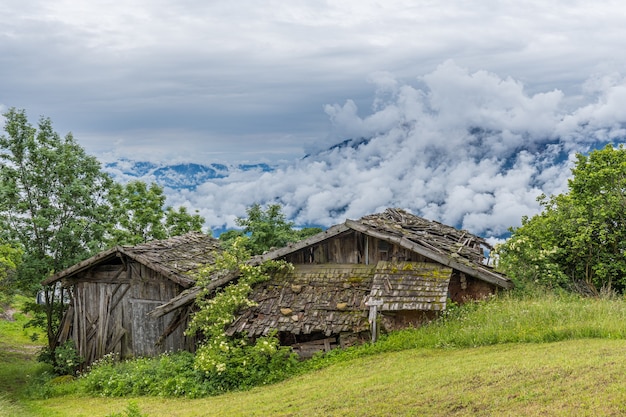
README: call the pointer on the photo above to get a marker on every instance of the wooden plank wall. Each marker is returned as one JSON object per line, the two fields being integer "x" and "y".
{"x": 353, "y": 248}
{"x": 110, "y": 304}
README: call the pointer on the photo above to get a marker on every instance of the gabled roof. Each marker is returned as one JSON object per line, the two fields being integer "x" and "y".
{"x": 177, "y": 258}
{"x": 446, "y": 245}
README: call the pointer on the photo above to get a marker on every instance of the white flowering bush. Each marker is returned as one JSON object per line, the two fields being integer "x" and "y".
{"x": 235, "y": 362}
{"x": 65, "y": 359}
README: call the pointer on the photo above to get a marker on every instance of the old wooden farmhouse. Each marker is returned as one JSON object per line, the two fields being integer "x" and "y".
{"x": 382, "y": 272}
{"x": 112, "y": 292}
{"x": 391, "y": 269}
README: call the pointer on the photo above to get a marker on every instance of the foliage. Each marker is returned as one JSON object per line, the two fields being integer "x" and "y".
{"x": 64, "y": 359}
{"x": 580, "y": 237}
{"x": 169, "y": 375}
{"x": 235, "y": 362}
{"x": 10, "y": 259}
{"x": 266, "y": 229}
{"x": 52, "y": 197}
{"x": 138, "y": 211}
{"x": 132, "y": 410}
{"x": 52, "y": 203}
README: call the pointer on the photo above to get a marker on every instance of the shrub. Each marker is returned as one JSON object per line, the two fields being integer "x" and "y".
{"x": 169, "y": 375}
{"x": 64, "y": 359}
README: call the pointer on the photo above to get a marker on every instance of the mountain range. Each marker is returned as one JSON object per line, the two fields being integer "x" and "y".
{"x": 179, "y": 176}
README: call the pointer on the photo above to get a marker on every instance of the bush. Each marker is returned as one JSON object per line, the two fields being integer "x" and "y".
{"x": 237, "y": 364}
{"x": 64, "y": 359}
{"x": 169, "y": 375}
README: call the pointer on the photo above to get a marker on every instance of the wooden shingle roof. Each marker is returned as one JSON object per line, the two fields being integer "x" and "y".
{"x": 331, "y": 299}
{"x": 177, "y": 258}
{"x": 312, "y": 298}
{"x": 411, "y": 286}
{"x": 444, "y": 244}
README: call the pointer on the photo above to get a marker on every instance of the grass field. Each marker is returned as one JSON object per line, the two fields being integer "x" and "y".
{"x": 568, "y": 359}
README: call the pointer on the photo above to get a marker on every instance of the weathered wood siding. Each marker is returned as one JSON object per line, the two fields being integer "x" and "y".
{"x": 112, "y": 302}
{"x": 353, "y": 247}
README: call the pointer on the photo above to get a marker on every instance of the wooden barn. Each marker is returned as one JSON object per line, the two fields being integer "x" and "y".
{"x": 112, "y": 292}
{"x": 391, "y": 270}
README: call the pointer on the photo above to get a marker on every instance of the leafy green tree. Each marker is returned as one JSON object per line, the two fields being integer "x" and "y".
{"x": 580, "y": 236}
{"x": 179, "y": 222}
{"x": 10, "y": 259}
{"x": 53, "y": 201}
{"x": 138, "y": 210}
{"x": 266, "y": 229}
{"x": 140, "y": 217}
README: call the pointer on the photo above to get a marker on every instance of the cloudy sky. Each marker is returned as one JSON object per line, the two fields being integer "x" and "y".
{"x": 471, "y": 109}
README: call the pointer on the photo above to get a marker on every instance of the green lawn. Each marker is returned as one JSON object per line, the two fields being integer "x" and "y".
{"x": 17, "y": 364}
{"x": 579, "y": 377}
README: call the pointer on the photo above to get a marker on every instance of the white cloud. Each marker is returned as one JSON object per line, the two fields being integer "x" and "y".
{"x": 470, "y": 111}
{"x": 481, "y": 170}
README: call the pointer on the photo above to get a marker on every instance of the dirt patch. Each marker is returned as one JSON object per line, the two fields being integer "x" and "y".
{"x": 7, "y": 314}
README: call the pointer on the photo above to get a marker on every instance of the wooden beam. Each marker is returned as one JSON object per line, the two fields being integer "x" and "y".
{"x": 457, "y": 262}
{"x": 81, "y": 265}
{"x": 187, "y": 296}
{"x": 294, "y": 247}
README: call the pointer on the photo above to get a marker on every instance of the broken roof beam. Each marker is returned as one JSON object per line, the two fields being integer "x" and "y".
{"x": 293, "y": 247}
{"x": 473, "y": 270}
{"x": 188, "y": 296}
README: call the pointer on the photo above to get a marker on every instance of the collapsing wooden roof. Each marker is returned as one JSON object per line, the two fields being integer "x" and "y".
{"x": 178, "y": 258}
{"x": 446, "y": 245}
{"x": 311, "y": 298}
{"x": 331, "y": 299}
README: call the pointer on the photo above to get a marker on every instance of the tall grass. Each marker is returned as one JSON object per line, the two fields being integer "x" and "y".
{"x": 507, "y": 318}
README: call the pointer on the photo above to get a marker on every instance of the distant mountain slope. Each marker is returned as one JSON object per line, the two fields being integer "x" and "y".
{"x": 180, "y": 176}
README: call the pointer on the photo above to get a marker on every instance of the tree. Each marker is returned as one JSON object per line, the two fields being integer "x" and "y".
{"x": 10, "y": 259}
{"x": 267, "y": 229}
{"x": 140, "y": 217}
{"x": 53, "y": 201}
{"x": 580, "y": 236}
{"x": 59, "y": 208}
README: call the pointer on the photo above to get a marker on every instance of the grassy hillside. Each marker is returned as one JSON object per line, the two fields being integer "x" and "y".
{"x": 17, "y": 361}
{"x": 581, "y": 377}
{"x": 541, "y": 355}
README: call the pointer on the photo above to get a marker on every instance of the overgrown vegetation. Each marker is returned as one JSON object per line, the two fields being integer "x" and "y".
{"x": 530, "y": 318}
{"x": 579, "y": 240}
{"x": 235, "y": 362}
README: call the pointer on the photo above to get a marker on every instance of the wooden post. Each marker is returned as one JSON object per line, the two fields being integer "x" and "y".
{"x": 373, "y": 305}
